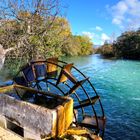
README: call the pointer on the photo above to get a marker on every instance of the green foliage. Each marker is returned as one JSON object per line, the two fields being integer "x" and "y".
{"x": 35, "y": 40}
{"x": 33, "y": 29}
{"x": 11, "y": 67}
{"x": 106, "y": 50}
{"x": 85, "y": 44}
{"x": 128, "y": 45}
{"x": 78, "y": 45}
{"x": 57, "y": 42}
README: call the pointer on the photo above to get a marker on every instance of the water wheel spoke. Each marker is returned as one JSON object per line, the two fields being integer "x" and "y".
{"x": 91, "y": 126}
{"x": 87, "y": 102}
{"x": 76, "y": 86}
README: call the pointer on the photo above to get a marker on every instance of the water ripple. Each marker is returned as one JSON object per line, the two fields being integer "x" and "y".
{"x": 118, "y": 83}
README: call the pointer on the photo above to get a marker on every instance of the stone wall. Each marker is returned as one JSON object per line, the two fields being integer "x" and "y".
{"x": 35, "y": 119}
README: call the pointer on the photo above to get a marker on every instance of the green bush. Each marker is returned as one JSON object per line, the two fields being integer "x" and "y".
{"x": 128, "y": 45}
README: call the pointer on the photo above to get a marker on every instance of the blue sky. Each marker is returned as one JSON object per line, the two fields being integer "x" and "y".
{"x": 102, "y": 19}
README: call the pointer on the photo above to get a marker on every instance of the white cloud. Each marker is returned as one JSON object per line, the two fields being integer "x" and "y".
{"x": 89, "y": 34}
{"x": 126, "y": 12}
{"x": 117, "y": 20}
{"x": 98, "y": 28}
{"x": 97, "y": 39}
{"x": 104, "y": 37}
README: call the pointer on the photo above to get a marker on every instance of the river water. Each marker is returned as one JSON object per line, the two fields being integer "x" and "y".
{"x": 118, "y": 84}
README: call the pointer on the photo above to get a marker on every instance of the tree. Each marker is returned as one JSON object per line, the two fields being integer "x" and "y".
{"x": 30, "y": 29}
{"x": 128, "y": 45}
{"x": 24, "y": 26}
{"x": 107, "y": 50}
{"x": 3, "y": 53}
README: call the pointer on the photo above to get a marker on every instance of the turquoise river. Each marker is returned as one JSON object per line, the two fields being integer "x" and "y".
{"x": 118, "y": 84}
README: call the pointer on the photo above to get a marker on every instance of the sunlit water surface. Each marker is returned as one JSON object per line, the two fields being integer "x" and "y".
{"x": 118, "y": 84}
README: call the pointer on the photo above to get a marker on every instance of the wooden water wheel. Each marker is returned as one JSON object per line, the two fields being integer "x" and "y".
{"x": 65, "y": 79}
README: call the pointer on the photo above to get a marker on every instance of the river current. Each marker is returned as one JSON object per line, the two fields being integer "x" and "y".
{"x": 118, "y": 84}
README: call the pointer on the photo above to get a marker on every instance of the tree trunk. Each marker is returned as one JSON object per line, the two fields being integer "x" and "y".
{"x": 3, "y": 53}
